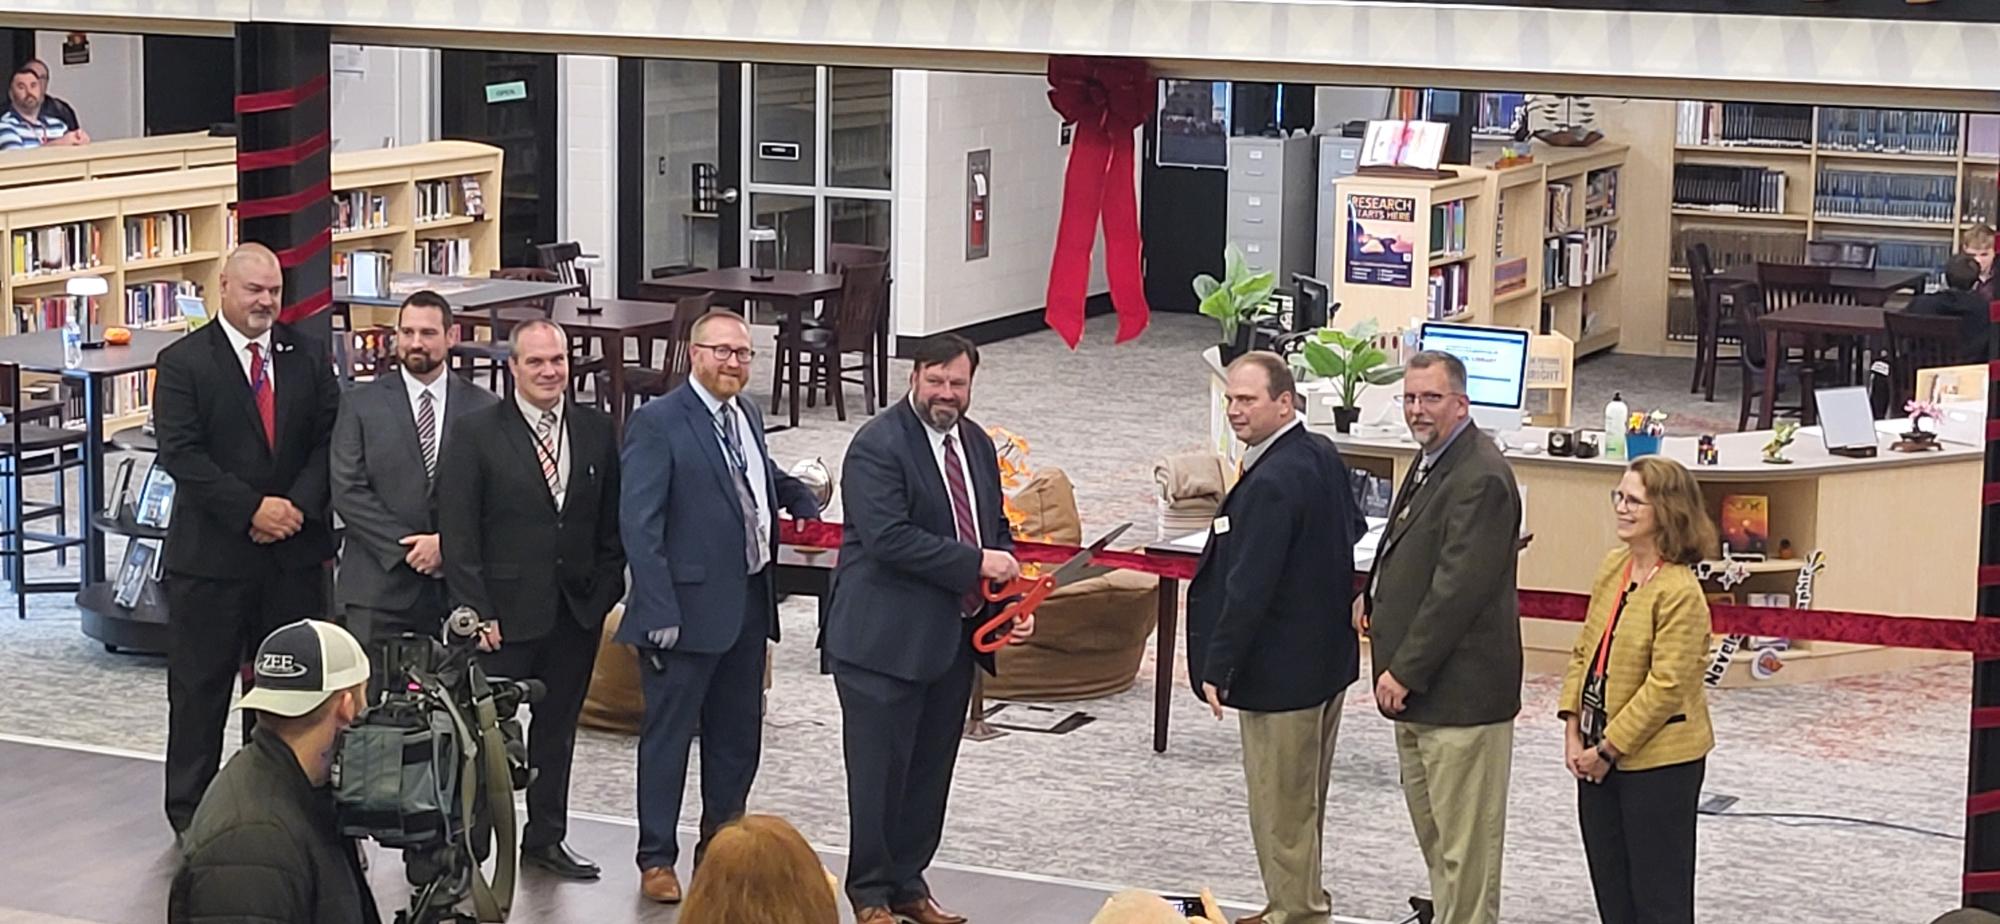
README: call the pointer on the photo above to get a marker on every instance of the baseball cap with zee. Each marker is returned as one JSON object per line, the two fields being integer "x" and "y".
{"x": 301, "y": 665}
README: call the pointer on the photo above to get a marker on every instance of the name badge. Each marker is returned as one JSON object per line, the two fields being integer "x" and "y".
{"x": 1221, "y": 526}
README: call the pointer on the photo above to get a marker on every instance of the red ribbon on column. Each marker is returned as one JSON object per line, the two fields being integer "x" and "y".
{"x": 1108, "y": 99}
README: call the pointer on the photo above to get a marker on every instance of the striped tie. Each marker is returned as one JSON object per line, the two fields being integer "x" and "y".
{"x": 551, "y": 444}
{"x": 427, "y": 431}
{"x": 961, "y": 511}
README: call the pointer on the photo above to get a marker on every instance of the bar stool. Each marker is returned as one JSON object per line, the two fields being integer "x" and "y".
{"x": 30, "y": 450}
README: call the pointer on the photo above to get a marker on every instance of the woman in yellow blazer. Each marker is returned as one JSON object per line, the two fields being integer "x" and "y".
{"x": 1637, "y": 727}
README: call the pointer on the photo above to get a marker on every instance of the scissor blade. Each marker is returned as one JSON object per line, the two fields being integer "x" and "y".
{"x": 1079, "y": 567}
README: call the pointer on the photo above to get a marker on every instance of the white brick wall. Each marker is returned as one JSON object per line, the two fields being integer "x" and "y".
{"x": 587, "y": 126}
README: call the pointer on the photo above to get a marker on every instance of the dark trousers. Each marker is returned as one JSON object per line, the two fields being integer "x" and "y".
{"x": 216, "y": 626}
{"x": 370, "y": 626}
{"x": 1638, "y": 834}
{"x": 723, "y": 696}
{"x": 561, "y": 660}
{"x": 901, "y": 744}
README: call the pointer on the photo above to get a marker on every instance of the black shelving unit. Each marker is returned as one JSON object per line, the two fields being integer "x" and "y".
{"x": 140, "y": 629}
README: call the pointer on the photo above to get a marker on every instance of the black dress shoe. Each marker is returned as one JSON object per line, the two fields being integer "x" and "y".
{"x": 557, "y": 858}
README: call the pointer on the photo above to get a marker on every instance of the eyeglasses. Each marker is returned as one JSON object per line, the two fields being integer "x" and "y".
{"x": 724, "y": 352}
{"x": 1427, "y": 399}
{"x": 1622, "y": 499}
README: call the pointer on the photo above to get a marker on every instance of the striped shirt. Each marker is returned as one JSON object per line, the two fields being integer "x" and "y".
{"x": 19, "y": 132}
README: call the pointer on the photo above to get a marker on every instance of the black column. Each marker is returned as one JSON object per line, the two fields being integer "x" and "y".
{"x": 283, "y": 166}
{"x": 1982, "y": 809}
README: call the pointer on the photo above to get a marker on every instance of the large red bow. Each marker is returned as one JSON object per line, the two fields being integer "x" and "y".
{"x": 1107, "y": 98}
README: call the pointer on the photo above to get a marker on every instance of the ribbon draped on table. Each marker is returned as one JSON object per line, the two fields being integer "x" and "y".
{"x": 1108, "y": 99}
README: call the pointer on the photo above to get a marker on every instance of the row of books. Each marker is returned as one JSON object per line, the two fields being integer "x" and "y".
{"x": 1450, "y": 291}
{"x": 1982, "y": 198}
{"x": 59, "y": 248}
{"x": 445, "y": 256}
{"x": 1743, "y": 124}
{"x": 1729, "y": 188}
{"x": 1578, "y": 258}
{"x": 1889, "y": 131}
{"x": 1600, "y": 194}
{"x": 1732, "y": 247}
{"x": 359, "y": 209}
{"x": 366, "y": 271}
{"x": 50, "y": 312}
{"x": 434, "y": 199}
{"x": 1557, "y": 201}
{"x": 149, "y": 304}
{"x": 1895, "y": 253}
{"x": 165, "y": 234}
{"x": 1873, "y": 194}
{"x": 1448, "y": 227}
{"x": 129, "y": 394}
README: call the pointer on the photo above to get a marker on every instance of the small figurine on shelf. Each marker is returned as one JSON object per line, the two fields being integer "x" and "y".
{"x": 1922, "y": 436}
{"x": 1704, "y": 453}
{"x": 1781, "y": 437}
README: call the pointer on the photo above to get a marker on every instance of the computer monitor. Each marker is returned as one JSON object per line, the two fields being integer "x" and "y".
{"x": 1496, "y": 369}
{"x": 1309, "y": 309}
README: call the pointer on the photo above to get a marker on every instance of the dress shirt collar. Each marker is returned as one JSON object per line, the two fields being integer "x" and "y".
{"x": 238, "y": 342}
{"x": 533, "y": 414}
{"x": 416, "y": 385}
{"x": 1256, "y": 452}
{"x": 709, "y": 400}
{"x": 1432, "y": 455}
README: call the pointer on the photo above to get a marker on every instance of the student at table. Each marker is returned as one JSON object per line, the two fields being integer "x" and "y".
{"x": 1979, "y": 246}
{"x": 55, "y": 106}
{"x": 1961, "y": 298}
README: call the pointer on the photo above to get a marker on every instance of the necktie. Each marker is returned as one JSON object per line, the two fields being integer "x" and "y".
{"x": 961, "y": 511}
{"x": 756, "y": 543}
{"x": 260, "y": 388}
{"x": 550, "y": 446}
{"x": 427, "y": 431}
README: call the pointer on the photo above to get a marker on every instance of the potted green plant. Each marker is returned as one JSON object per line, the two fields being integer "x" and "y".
{"x": 1237, "y": 301}
{"x": 1352, "y": 361}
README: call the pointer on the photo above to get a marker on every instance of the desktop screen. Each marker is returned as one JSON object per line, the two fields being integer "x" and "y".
{"x": 1495, "y": 358}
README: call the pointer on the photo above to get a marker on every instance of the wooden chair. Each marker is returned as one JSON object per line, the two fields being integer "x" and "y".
{"x": 565, "y": 260}
{"x": 26, "y": 451}
{"x": 1786, "y": 284}
{"x": 1714, "y": 321}
{"x": 838, "y": 258}
{"x": 1918, "y": 341}
{"x": 1750, "y": 358}
{"x": 841, "y": 256}
{"x": 644, "y": 381}
{"x": 859, "y": 312}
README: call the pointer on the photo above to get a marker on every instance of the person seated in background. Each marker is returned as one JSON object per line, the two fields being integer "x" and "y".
{"x": 760, "y": 869}
{"x": 26, "y": 124}
{"x": 1961, "y": 298}
{"x": 265, "y": 843}
{"x": 55, "y": 107}
{"x": 1979, "y": 246}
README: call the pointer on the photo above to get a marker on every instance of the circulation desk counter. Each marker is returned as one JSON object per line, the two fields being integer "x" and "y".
{"x": 1900, "y": 531}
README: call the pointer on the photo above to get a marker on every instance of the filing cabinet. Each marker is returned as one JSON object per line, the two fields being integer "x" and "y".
{"x": 1271, "y": 204}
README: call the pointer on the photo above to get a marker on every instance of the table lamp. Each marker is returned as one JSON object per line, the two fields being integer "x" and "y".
{"x": 84, "y": 288}
{"x": 760, "y": 270}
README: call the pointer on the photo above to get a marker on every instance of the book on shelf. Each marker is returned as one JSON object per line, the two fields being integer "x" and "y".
{"x": 141, "y": 559}
{"x": 358, "y": 210}
{"x": 1888, "y": 131}
{"x": 1732, "y": 247}
{"x": 231, "y": 231}
{"x": 163, "y": 234}
{"x": 1902, "y": 253}
{"x": 1982, "y": 198}
{"x": 1729, "y": 188}
{"x": 434, "y": 199}
{"x": 1558, "y": 197}
{"x": 1450, "y": 291}
{"x": 130, "y": 393}
{"x": 156, "y": 499}
{"x": 474, "y": 196}
{"x": 445, "y": 256}
{"x": 50, "y": 312}
{"x": 58, "y": 248}
{"x": 1448, "y": 228}
{"x": 1764, "y": 125}
{"x": 1746, "y": 526}
{"x": 1874, "y": 194}
{"x": 150, "y": 304}
{"x": 1578, "y": 258}
{"x": 1510, "y": 276}
{"x": 367, "y": 271}
{"x": 1600, "y": 194}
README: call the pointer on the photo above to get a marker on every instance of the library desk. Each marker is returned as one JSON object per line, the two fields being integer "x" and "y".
{"x": 1849, "y": 324}
{"x": 1870, "y": 287}
{"x": 42, "y": 351}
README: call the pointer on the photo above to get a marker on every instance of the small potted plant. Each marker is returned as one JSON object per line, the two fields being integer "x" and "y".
{"x": 1352, "y": 361}
{"x": 1237, "y": 301}
{"x": 1922, "y": 436}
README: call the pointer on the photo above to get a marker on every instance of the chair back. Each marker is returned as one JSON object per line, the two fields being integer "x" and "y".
{"x": 562, "y": 259}
{"x": 1700, "y": 270}
{"x": 1788, "y": 284}
{"x": 864, "y": 296}
{"x": 547, "y": 306}
{"x": 678, "y": 365}
{"x": 1918, "y": 341}
{"x": 1745, "y": 309}
{"x": 841, "y": 256}
{"x": 1857, "y": 255}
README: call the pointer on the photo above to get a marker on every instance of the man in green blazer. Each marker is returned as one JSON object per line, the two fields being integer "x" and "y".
{"x": 1446, "y": 639}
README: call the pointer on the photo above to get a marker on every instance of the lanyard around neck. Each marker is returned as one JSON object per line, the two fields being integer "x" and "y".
{"x": 1625, "y": 586}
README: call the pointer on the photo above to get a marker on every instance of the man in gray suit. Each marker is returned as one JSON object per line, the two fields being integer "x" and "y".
{"x": 386, "y": 445}
{"x": 1446, "y": 636}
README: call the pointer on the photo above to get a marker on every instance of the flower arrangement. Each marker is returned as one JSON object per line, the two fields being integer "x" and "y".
{"x": 1922, "y": 436}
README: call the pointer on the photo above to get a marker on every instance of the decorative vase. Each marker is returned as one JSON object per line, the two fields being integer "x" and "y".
{"x": 1344, "y": 418}
{"x": 1231, "y": 349}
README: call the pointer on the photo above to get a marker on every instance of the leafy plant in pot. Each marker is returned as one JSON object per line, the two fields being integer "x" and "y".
{"x": 1237, "y": 301}
{"x": 1352, "y": 361}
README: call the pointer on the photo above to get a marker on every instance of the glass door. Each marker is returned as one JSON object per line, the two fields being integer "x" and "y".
{"x": 508, "y": 100}
{"x": 818, "y": 156}
{"x": 686, "y": 167}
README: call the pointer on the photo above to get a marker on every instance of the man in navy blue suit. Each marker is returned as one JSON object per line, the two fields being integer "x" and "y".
{"x": 698, "y": 517}
{"x": 925, "y": 526}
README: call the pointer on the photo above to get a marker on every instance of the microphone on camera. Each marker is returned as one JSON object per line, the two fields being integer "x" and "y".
{"x": 462, "y": 623}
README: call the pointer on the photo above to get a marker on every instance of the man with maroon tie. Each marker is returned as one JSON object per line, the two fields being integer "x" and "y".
{"x": 925, "y": 527}
{"x": 244, "y": 410}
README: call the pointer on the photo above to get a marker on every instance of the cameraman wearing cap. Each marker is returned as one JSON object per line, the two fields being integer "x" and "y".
{"x": 265, "y": 844}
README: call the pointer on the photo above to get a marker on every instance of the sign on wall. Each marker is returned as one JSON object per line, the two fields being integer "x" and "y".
{"x": 1381, "y": 234}
{"x": 76, "y": 49}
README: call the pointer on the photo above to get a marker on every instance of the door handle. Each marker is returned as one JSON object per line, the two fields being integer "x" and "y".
{"x": 729, "y": 196}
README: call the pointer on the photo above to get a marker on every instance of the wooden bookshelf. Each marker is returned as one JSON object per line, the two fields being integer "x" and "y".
{"x": 205, "y": 195}
{"x": 105, "y": 159}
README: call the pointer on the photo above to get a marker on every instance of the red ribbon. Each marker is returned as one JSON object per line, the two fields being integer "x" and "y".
{"x": 1108, "y": 99}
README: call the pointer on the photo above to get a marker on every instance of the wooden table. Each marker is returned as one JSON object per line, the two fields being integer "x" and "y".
{"x": 790, "y": 291}
{"x": 1870, "y": 287}
{"x": 611, "y": 321}
{"x": 1810, "y": 321}
{"x": 465, "y": 293}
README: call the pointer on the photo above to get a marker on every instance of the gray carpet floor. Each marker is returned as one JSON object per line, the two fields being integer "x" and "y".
{"x": 1097, "y": 804}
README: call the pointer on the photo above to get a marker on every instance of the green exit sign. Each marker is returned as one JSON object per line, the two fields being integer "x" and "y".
{"x": 508, "y": 92}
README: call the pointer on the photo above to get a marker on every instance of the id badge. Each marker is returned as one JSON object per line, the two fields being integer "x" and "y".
{"x": 1592, "y": 719}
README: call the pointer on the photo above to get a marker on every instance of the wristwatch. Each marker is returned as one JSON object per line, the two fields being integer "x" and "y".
{"x": 1606, "y": 755}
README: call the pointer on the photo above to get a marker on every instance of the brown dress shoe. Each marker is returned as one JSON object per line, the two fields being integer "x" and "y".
{"x": 927, "y": 911}
{"x": 873, "y": 914}
{"x": 661, "y": 885}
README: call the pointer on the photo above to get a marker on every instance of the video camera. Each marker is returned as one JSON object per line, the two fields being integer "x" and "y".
{"x": 431, "y": 769}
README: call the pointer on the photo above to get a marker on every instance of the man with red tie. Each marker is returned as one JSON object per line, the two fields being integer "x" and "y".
{"x": 244, "y": 411}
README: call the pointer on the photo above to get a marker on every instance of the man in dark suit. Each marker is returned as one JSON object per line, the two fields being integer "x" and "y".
{"x": 1445, "y": 630}
{"x": 697, "y": 475}
{"x": 528, "y": 515}
{"x": 244, "y": 410}
{"x": 386, "y": 446}
{"x": 925, "y": 526}
{"x": 1268, "y": 628}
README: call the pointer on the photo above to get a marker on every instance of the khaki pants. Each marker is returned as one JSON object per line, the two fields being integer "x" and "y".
{"x": 1455, "y": 781}
{"x": 1287, "y": 760}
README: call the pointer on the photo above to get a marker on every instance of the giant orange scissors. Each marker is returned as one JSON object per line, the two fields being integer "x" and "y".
{"x": 1029, "y": 590}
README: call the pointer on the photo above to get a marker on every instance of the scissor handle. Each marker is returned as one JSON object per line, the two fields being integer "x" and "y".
{"x": 992, "y": 635}
{"x": 1018, "y": 587}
